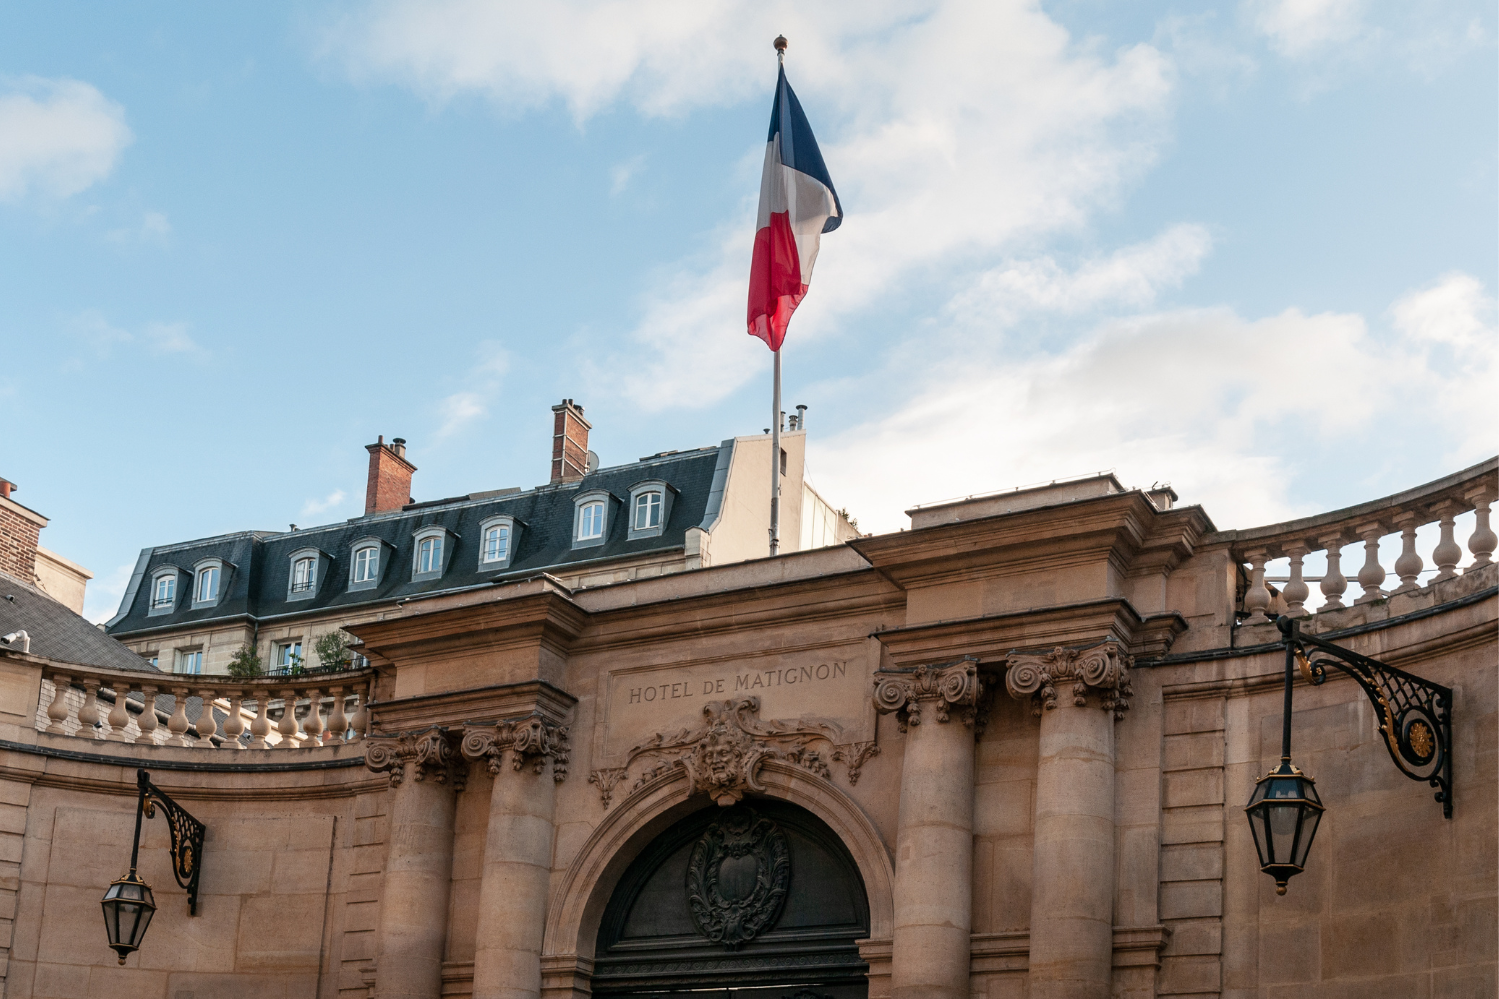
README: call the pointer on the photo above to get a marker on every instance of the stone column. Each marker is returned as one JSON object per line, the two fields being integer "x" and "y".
{"x": 934, "y": 834}
{"x": 425, "y": 771}
{"x": 1072, "y": 876}
{"x": 516, "y": 878}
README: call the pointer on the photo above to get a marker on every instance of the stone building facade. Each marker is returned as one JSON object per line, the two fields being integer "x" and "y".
{"x": 1004, "y": 753}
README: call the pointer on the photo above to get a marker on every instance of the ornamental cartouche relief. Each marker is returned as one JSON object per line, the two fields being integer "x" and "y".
{"x": 722, "y": 756}
{"x": 1102, "y": 671}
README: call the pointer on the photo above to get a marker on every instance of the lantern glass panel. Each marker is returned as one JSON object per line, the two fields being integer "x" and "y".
{"x": 128, "y": 908}
{"x": 1308, "y": 830}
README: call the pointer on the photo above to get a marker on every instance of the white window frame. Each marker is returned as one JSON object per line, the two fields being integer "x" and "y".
{"x": 660, "y": 490}
{"x": 502, "y": 522}
{"x": 647, "y": 506}
{"x": 582, "y": 503}
{"x": 318, "y": 573}
{"x": 189, "y": 656}
{"x": 384, "y": 551}
{"x": 447, "y": 541}
{"x": 592, "y": 517}
{"x": 284, "y": 649}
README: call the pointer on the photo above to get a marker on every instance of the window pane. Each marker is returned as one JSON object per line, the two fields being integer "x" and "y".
{"x": 208, "y": 584}
{"x": 653, "y": 515}
{"x": 591, "y": 524}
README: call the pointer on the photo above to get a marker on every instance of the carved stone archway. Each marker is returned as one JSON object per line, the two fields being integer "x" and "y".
{"x": 577, "y": 905}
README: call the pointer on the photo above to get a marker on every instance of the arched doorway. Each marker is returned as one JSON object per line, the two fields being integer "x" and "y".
{"x": 756, "y": 901}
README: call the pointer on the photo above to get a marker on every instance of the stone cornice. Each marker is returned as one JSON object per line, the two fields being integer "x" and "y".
{"x": 991, "y": 638}
{"x": 1117, "y": 526}
{"x": 474, "y": 705}
{"x": 548, "y": 619}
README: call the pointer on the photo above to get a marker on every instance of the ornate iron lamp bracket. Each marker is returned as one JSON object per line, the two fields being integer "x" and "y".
{"x": 1415, "y": 715}
{"x": 187, "y": 836}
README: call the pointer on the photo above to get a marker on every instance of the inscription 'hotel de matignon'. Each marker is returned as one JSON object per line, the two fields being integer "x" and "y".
{"x": 738, "y": 683}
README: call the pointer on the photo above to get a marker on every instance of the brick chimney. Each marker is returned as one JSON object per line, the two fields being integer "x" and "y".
{"x": 19, "y": 531}
{"x": 389, "y": 484}
{"x": 569, "y": 442}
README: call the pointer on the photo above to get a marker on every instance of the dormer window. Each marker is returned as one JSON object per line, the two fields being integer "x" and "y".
{"x": 367, "y": 563}
{"x": 650, "y": 508}
{"x": 433, "y": 548}
{"x": 595, "y": 511}
{"x": 309, "y": 567}
{"x": 209, "y": 576}
{"x": 164, "y": 594}
{"x": 498, "y": 537}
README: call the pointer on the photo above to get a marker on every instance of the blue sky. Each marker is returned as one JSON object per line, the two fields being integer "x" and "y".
{"x": 1246, "y": 248}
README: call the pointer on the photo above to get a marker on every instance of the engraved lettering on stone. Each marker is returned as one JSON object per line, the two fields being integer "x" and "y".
{"x": 1102, "y": 670}
{"x": 738, "y": 876}
{"x": 722, "y": 756}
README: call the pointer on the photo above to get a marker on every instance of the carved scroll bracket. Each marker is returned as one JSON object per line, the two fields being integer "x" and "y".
{"x": 430, "y": 754}
{"x": 945, "y": 688}
{"x": 1102, "y": 671}
{"x": 723, "y": 756}
{"x": 530, "y": 740}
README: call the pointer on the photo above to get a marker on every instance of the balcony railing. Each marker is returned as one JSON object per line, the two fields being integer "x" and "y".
{"x": 314, "y": 709}
{"x": 1334, "y": 534}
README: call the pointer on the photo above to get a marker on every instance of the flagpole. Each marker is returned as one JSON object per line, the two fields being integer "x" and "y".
{"x": 775, "y": 406}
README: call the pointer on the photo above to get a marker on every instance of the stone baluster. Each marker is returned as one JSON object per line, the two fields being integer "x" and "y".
{"x": 1257, "y": 596}
{"x": 338, "y": 722}
{"x": 260, "y": 728}
{"x": 1372, "y": 574}
{"x": 1409, "y": 565}
{"x": 1296, "y": 590}
{"x": 1483, "y": 540}
{"x": 207, "y": 726}
{"x": 88, "y": 714}
{"x": 1078, "y": 694}
{"x": 119, "y": 714}
{"x": 288, "y": 724}
{"x": 234, "y": 725}
{"x": 934, "y": 826}
{"x": 412, "y": 926}
{"x": 1448, "y": 553}
{"x": 1334, "y": 583}
{"x": 517, "y": 868}
{"x": 312, "y": 725}
{"x": 361, "y": 721}
{"x": 57, "y": 711}
{"x": 147, "y": 720}
{"x": 178, "y": 724}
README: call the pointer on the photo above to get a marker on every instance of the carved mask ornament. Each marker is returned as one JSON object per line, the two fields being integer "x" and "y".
{"x": 738, "y": 877}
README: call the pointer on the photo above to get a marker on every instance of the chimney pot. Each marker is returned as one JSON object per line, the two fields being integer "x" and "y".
{"x": 569, "y": 442}
{"x": 389, "y": 484}
{"x": 6, "y": 488}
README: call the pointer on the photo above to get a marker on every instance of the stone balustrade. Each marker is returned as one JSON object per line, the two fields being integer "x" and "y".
{"x": 312, "y": 709}
{"x": 1340, "y": 533}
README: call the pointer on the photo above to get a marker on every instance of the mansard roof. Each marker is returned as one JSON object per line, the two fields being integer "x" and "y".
{"x": 259, "y": 562}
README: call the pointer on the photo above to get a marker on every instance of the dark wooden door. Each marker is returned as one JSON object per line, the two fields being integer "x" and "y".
{"x": 757, "y": 901}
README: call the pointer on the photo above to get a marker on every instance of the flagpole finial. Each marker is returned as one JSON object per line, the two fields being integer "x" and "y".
{"x": 780, "y": 44}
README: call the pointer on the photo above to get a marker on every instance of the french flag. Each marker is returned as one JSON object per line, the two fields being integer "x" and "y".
{"x": 797, "y": 205}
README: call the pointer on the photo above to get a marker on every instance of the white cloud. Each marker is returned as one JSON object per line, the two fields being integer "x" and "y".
{"x": 1298, "y": 28}
{"x": 102, "y": 336}
{"x": 57, "y": 137}
{"x": 622, "y": 173}
{"x": 1455, "y": 316}
{"x": 170, "y": 338}
{"x": 1200, "y": 398}
{"x": 154, "y": 227}
{"x": 314, "y": 507}
{"x": 102, "y": 596}
{"x": 461, "y": 408}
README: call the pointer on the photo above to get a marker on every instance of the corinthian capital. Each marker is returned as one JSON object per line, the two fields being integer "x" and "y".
{"x": 952, "y": 685}
{"x": 1102, "y": 670}
{"x": 530, "y": 739}
{"x": 428, "y": 753}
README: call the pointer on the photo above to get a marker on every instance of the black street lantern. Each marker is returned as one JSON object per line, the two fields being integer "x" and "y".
{"x": 1416, "y": 722}
{"x": 128, "y": 904}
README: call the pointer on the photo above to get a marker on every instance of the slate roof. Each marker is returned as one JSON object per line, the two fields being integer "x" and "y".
{"x": 257, "y": 585}
{"x": 57, "y": 633}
